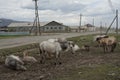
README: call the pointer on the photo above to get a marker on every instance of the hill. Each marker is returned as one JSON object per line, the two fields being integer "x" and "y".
{"x": 5, "y": 22}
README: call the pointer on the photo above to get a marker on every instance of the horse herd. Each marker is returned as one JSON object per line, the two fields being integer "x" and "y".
{"x": 54, "y": 47}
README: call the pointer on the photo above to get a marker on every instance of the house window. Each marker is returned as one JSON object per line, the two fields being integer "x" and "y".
{"x": 51, "y": 27}
{"x": 55, "y": 27}
{"x": 47, "y": 28}
{"x": 60, "y": 27}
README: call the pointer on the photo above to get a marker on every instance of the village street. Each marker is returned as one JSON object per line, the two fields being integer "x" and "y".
{"x": 13, "y": 42}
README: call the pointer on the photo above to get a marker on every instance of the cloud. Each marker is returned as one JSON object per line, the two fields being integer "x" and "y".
{"x": 65, "y": 11}
{"x": 64, "y": 6}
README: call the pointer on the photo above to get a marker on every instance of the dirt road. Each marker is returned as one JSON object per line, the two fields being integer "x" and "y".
{"x": 7, "y": 43}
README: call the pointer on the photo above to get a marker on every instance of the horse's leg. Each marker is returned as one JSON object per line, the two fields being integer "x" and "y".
{"x": 113, "y": 46}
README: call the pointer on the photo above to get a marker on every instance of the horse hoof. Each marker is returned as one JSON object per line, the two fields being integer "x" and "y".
{"x": 55, "y": 63}
{"x": 60, "y": 63}
{"x": 41, "y": 62}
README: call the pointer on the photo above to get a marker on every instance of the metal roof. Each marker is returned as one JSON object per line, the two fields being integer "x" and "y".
{"x": 25, "y": 24}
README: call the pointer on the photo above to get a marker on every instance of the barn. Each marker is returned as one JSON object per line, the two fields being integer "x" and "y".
{"x": 90, "y": 27}
{"x": 52, "y": 26}
{"x": 22, "y": 26}
{"x": 87, "y": 27}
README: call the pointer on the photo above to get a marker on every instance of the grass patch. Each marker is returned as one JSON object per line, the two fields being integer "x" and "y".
{"x": 81, "y": 40}
{"x": 7, "y": 51}
{"x": 88, "y": 39}
{"x": 100, "y": 72}
{"x": 11, "y": 36}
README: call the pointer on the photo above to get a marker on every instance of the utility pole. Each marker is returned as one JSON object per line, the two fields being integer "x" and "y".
{"x": 105, "y": 26}
{"x": 93, "y": 22}
{"x": 115, "y": 18}
{"x": 117, "y": 22}
{"x": 36, "y": 25}
{"x": 101, "y": 28}
{"x": 80, "y": 22}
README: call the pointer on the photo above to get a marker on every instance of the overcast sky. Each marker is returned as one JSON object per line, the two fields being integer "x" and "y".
{"x": 64, "y": 11}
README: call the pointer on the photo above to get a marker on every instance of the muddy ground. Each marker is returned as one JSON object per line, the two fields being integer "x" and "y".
{"x": 49, "y": 71}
